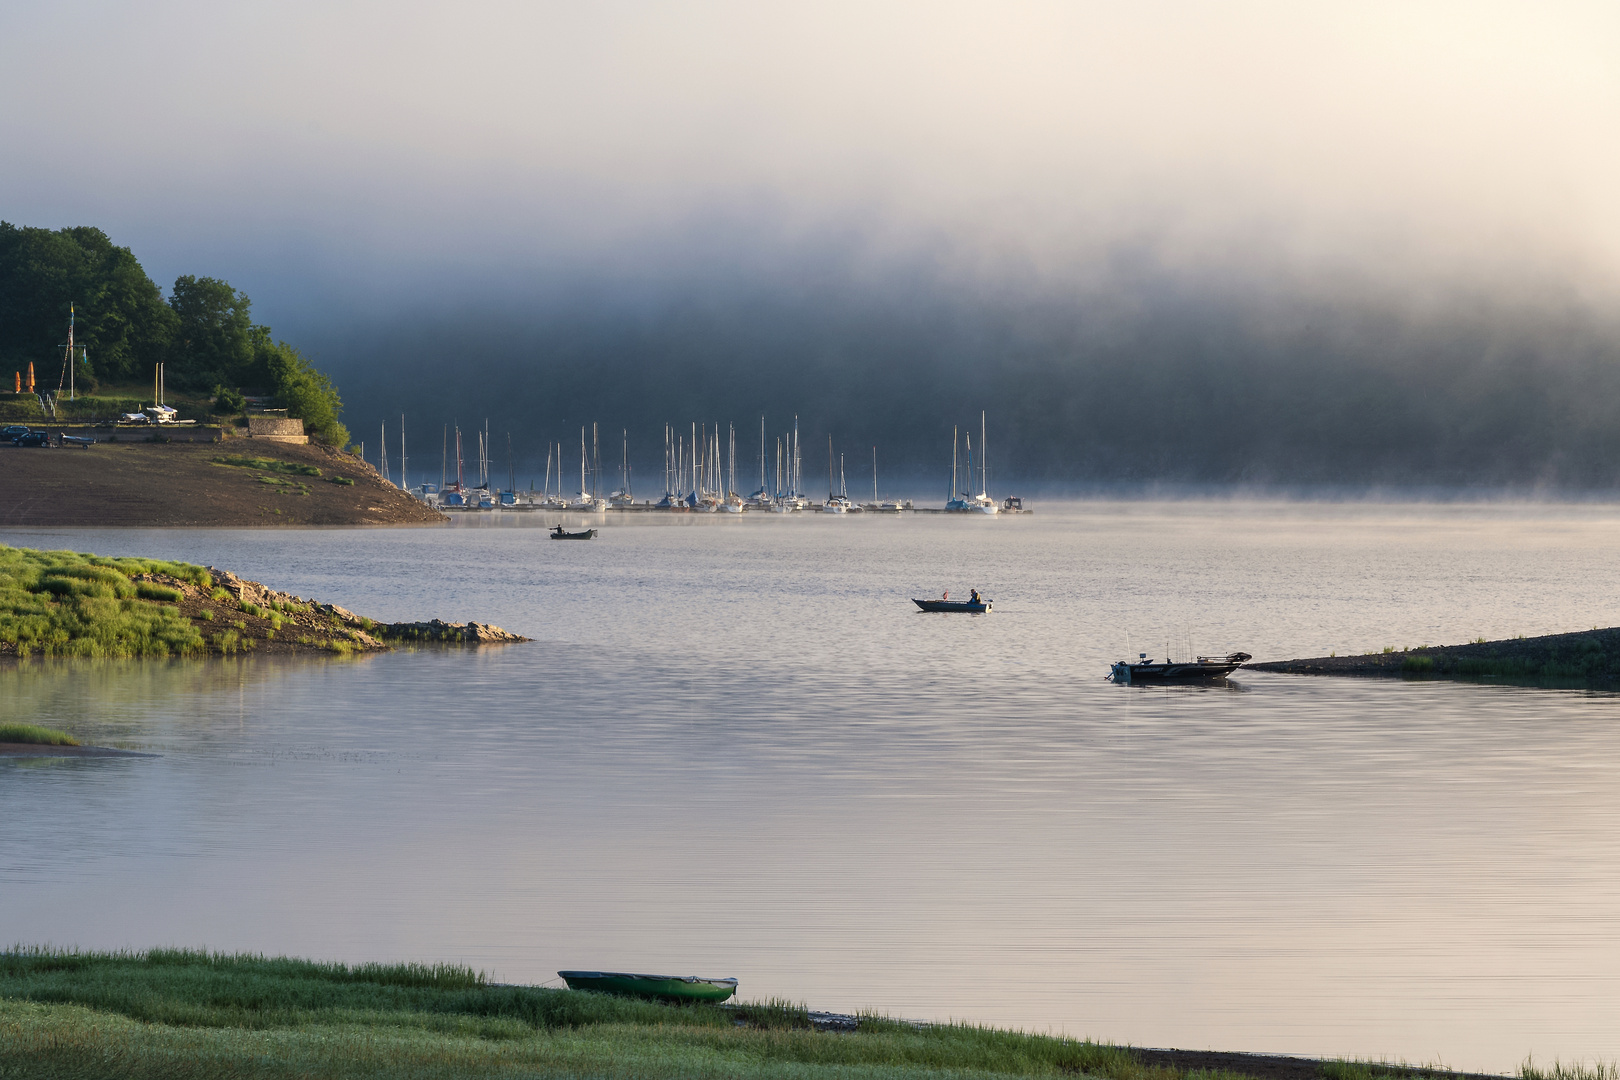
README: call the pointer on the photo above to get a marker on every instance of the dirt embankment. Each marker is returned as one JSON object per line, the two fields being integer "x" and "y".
{"x": 1591, "y": 658}
{"x": 154, "y": 485}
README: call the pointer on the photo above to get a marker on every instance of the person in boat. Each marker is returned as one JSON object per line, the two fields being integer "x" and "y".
{"x": 973, "y": 596}
{"x": 947, "y": 595}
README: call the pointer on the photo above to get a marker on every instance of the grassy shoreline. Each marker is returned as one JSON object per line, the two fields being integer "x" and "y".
{"x": 1590, "y": 658}
{"x": 66, "y": 603}
{"x": 33, "y": 734}
{"x": 178, "y": 1013}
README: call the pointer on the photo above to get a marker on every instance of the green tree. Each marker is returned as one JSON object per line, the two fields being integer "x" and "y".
{"x": 120, "y": 316}
{"x": 305, "y": 393}
{"x": 215, "y": 340}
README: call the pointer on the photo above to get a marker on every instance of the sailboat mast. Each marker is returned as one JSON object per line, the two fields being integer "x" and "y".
{"x": 404, "y": 479}
{"x": 984, "y": 460}
{"x": 511, "y": 465}
{"x": 829, "y": 467}
{"x": 874, "y": 474}
{"x": 67, "y": 359}
{"x": 968, "y": 440}
{"x": 582, "y": 465}
{"x": 762, "y": 454}
{"x": 956, "y": 440}
{"x": 596, "y": 463}
{"x": 382, "y": 451}
{"x": 444, "y": 458}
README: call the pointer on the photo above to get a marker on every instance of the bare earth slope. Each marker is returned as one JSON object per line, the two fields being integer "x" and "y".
{"x": 177, "y": 484}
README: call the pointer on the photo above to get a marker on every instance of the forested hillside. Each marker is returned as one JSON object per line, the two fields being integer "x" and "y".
{"x": 203, "y": 332}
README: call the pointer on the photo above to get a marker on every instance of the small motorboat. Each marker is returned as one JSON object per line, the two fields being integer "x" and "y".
{"x": 675, "y": 987}
{"x": 975, "y": 605}
{"x": 1149, "y": 672}
{"x": 559, "y": 533}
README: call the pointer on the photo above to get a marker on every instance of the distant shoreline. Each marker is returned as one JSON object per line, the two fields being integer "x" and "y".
{"x": 1590, "y": 658}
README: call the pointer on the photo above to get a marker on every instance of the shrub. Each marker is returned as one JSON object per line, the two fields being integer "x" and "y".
{"x": 148, "y": 591}
{"x": 344, "y": 480}
{"x": 227, "y": 400}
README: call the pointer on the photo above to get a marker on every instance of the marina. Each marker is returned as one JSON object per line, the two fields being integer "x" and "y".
{"x": 699, "y": 476}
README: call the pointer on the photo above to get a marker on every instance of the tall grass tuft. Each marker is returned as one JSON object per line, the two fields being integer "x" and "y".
{"x": 63, "y": 603}
{"x": 1575, "y": 1070}
{"x": 33, "y": 733}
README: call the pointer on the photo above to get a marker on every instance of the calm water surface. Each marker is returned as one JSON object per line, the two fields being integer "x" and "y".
{"x": 734, "y": 749}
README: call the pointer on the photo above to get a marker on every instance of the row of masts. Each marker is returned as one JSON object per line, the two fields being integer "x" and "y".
{"x": 700, "y": 467}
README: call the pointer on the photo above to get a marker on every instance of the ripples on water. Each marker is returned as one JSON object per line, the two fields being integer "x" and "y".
{"x": 734, "y": 749}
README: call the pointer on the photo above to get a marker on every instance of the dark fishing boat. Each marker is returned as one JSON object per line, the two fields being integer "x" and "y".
{"x": 1150, "y": 672}
{"x": 559, "y": 533}
{"x": 676, "y": 987}
{"x": 977, "y": 605}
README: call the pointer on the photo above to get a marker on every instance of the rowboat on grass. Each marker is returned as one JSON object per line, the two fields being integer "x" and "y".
{"x": 677, "y": 987}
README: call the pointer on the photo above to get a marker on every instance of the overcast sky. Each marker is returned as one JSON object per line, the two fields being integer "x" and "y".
{"x": 430, "y": 145}
{"x": 1385, "y": 233}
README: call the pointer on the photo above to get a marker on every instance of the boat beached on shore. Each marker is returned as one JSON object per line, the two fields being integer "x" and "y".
{"x": 674, "y": 987}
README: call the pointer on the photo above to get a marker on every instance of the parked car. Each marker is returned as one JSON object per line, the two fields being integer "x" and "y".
{"x": 12, "y": 431}
{"x": 33, "y": 438}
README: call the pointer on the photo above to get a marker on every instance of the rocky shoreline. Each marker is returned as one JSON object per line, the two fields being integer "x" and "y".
{"x": 365, "y": 634}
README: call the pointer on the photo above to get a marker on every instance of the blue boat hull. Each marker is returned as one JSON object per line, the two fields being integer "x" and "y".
{"x": 953, "y": 605}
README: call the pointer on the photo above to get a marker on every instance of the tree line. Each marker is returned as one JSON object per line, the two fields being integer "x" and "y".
{"x": 203, "y": 332}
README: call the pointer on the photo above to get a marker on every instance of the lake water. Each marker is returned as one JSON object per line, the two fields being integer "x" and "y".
{"x": 734, "y": 748}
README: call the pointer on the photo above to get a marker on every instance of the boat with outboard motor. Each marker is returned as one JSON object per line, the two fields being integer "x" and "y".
{"x": 559, "y": 533}
{"x": 973, "y": 605}
{"x": 676, "y": 987}
{"x": 1143, "y": 671}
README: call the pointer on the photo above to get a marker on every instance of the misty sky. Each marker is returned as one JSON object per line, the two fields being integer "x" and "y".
{"x": 401, "y": 172}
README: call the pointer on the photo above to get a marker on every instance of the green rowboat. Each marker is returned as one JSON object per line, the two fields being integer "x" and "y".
{"x": 679, "y": 987}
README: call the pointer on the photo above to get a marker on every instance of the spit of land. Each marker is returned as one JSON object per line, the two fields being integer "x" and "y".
{"x": 236, "y": 483}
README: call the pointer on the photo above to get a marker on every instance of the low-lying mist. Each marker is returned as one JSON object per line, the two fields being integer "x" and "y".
{"x": 1161, "y": 376}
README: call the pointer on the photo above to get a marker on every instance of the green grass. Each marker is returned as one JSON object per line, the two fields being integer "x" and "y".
{"x": 147, "y": 591}
{"x": 344, "y": 480}
{"x": 1598, "y": 1070}
{"x": 63, "y": 603}
{"x": 267, "y": 465}
{"x": 171, "y": 1013}
{"x": 33, "y": 733}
